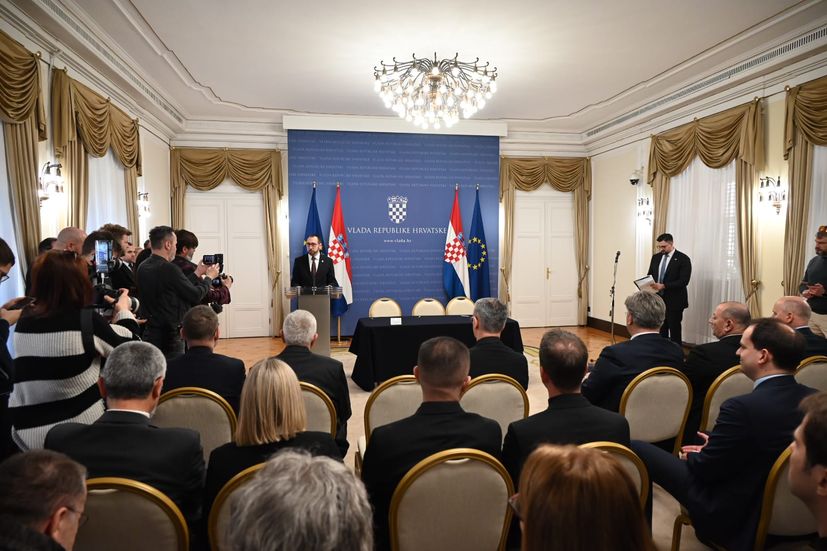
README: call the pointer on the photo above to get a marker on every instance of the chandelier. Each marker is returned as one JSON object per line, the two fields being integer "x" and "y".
{"x": 432, "y": 93}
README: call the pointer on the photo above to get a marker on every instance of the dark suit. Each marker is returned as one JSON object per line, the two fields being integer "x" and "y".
{"x": 722, "y": 485}
{"x": 125, "y": 444}
{"x": 618, "y": 364}
{"x": 703, "y": 365}
{"x": 395, "y": 448}
{"x": 676, "y": 278}
{"x": 490, "y": 355}
{"x": 324, "y": 272}
{"x": 202, "y": 368}
{"x": 816, "y": 345}
{"x": 327, "y": 374}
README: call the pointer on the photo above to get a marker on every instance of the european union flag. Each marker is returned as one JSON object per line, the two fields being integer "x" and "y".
{"x": 478, "y": 256}
{"x": 313, "y": 226}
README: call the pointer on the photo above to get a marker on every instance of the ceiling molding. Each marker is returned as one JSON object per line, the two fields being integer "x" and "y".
{"x": 393, "y": 125}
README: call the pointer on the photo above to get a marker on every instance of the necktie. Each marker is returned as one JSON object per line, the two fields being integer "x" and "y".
{"x": 313, "y": 270}
{"x": 663, "y": 262}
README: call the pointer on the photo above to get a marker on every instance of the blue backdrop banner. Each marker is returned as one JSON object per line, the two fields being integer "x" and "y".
{"x": 397, "y": 195}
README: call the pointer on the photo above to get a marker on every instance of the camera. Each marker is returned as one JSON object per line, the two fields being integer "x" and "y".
{"x": 104, "y": 264}
{"x": 217, "y": 258}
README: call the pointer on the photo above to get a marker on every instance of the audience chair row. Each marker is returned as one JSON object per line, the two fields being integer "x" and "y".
{"x": 387, "y": 307}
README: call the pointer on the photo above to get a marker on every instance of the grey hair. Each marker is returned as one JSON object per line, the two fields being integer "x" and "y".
{"x": 299, "y": 327}
{"x": 647, "y": 309}
{"x": 737, "y": 312}
{"x": 797, "y": 306}
{"x": 301, "y": 502}
{"x": 491, "y": 313}
{"x": 132, "y": 369}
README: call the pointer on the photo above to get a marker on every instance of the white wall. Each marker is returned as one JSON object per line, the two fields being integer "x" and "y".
{"x": 155, "y": 180}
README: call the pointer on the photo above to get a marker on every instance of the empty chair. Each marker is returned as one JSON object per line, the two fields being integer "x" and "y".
{"x": 428, "y": 307}
{"x": 198, "y": 409}
{"x": 220, "y": 512}
{"x": 497, "y": 397}
{"x": 460, "y": 306}
{"x": 656, "y": 404}
{"x": 129, "y": 515}
{"x": 384, "y": 308}
{"x": 812, "y": 372}
{"x": 321, "y": 413}
{"x": 731, "y": 382}
{"x": 631, "y": 462}
{"x": 456, "y": 499}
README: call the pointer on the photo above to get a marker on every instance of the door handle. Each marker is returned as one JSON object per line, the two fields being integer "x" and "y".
{"x": 548, "y": 273}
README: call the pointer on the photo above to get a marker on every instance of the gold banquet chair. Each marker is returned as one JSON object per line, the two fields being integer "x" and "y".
{"x": 496, "y": 396}
{"x": 321, "y": 413}
{"x": 394, "y": 399}
{"x": 129, "y": 515}
{"x": 198, "y": 409}
{"x": 631, "y": 463}
{"x": 460, "y": 306}
{"x": 812, "y": 372}
{"x": 728, "y": 384}
{"x": 219, "y": 518}
{"x": 384, "y": 308}
{"x": 428, "y": 307}
{"x": 656, "y": 405}
{"x": 456, "y": 499}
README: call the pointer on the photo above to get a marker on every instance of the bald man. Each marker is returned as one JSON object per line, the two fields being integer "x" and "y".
{"x": 795, "y": 312}
{"x": 70, "y": 239}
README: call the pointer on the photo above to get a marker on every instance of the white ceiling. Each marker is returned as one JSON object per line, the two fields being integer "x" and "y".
{"x": 564, "y": 65}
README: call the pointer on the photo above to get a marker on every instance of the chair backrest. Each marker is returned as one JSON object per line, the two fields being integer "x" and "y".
{"x": 219, "y": 518}
{"x": 460, "y": 306}
{"x": 428, "y": 307}
{"x": 459, "y": 496}
{"x": 394, "y": 399}
{"x": 496, "y": 396}
{"x": 321, "y": 413}
{"x": 782, "y": 514}
{"x": 198, "y": 409}
{"x": 656, "y": 404}
{"x": 731, "y": 382}
{"x": 633, "y": 465}
{"x": 384, "y": 308}
{"x": 812, "y": 372}
{"x": 130, "y": 515}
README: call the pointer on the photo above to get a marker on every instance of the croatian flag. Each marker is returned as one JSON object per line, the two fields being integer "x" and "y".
{"x": 455, "y": 268}
{"x": 339, "y": 252}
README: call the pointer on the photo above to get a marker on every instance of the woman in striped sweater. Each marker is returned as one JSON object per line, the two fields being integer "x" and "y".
{"x": 60, "y": 344}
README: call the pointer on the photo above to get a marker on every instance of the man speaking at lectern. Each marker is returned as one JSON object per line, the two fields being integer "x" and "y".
{"x": 313, "y": 269}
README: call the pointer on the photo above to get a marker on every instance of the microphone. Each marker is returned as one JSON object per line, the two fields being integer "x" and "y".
{"x": 617, "y": 255}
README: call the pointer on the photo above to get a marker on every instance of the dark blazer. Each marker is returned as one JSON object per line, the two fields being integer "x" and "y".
{"x": 490, "y": 355}
{"x": 703, "y": 365}
{"x": 816, "y": 345}
{"x": 569, "y": 419}
{"x": 726, "y": 479}
{"x": 324, "y": 272}
{"x": 203, "y": 368}
{"x": 395, "y": 448}
{"x": 125, "y": 444}
{"x": 676, "y": 278}
{"x": 618, "y": 364}
{"x": 327, "y": 374}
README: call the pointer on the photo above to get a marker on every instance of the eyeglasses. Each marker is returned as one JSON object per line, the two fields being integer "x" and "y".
{"x": 82, "y": 517}
{"x": 514, "y": 503}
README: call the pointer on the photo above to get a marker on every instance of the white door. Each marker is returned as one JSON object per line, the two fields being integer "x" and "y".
{"x": 544, "y": 271}
{"x": 230, "y": 220}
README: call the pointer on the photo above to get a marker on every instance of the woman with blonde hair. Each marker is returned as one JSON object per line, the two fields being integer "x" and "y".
{"x": 272, "y": 417}
{"x": 573, "y": 498}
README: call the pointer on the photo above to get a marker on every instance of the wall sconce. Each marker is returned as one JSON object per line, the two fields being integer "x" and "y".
{"x": 143, "y": 204}
{"x": 772, "y": 193}
{"x": 50, "y": 184}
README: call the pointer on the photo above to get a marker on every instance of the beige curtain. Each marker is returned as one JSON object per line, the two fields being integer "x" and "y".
{"x": 84, "y": 122}
{"x": 24, "y": 124}
{"x": 563, "y": 174}
{"x": 804, "y": 127}
{"x": 252, "y": 169}
{"x": 736, "y": 133}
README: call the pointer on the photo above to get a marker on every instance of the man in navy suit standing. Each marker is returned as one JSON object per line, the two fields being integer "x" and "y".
{"x": 671, "y": 270}
{"x": 313, "y": 269}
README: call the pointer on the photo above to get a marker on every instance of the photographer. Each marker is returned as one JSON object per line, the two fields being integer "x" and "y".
{"x": 184, "y": 251}
{"x": 167, "y": 293}
{"x": 122, "y": 273}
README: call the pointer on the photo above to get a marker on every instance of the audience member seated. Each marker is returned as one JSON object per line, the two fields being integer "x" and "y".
{"x": 42, "y": 499}
{"x": 200, "y": 366}
{"x": 299, "y": 333}
{"x": 439, "y": 424}
{"x": 721, "y": 482}
{"x": 808, "y": 462}
{"x": 707, "y": 361}
{"x": 123, "y": 442}
{"x": 301, "y": 502}
{"x": 618, "y": 364}
{"x": 272, "y": 418}
{"x": 490, "y": 355}
{"x": 573, "y": 498}
{"x": 570, "y": 418}
{"x": 59, "y": 343}
{"x": 795, "y": 312}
